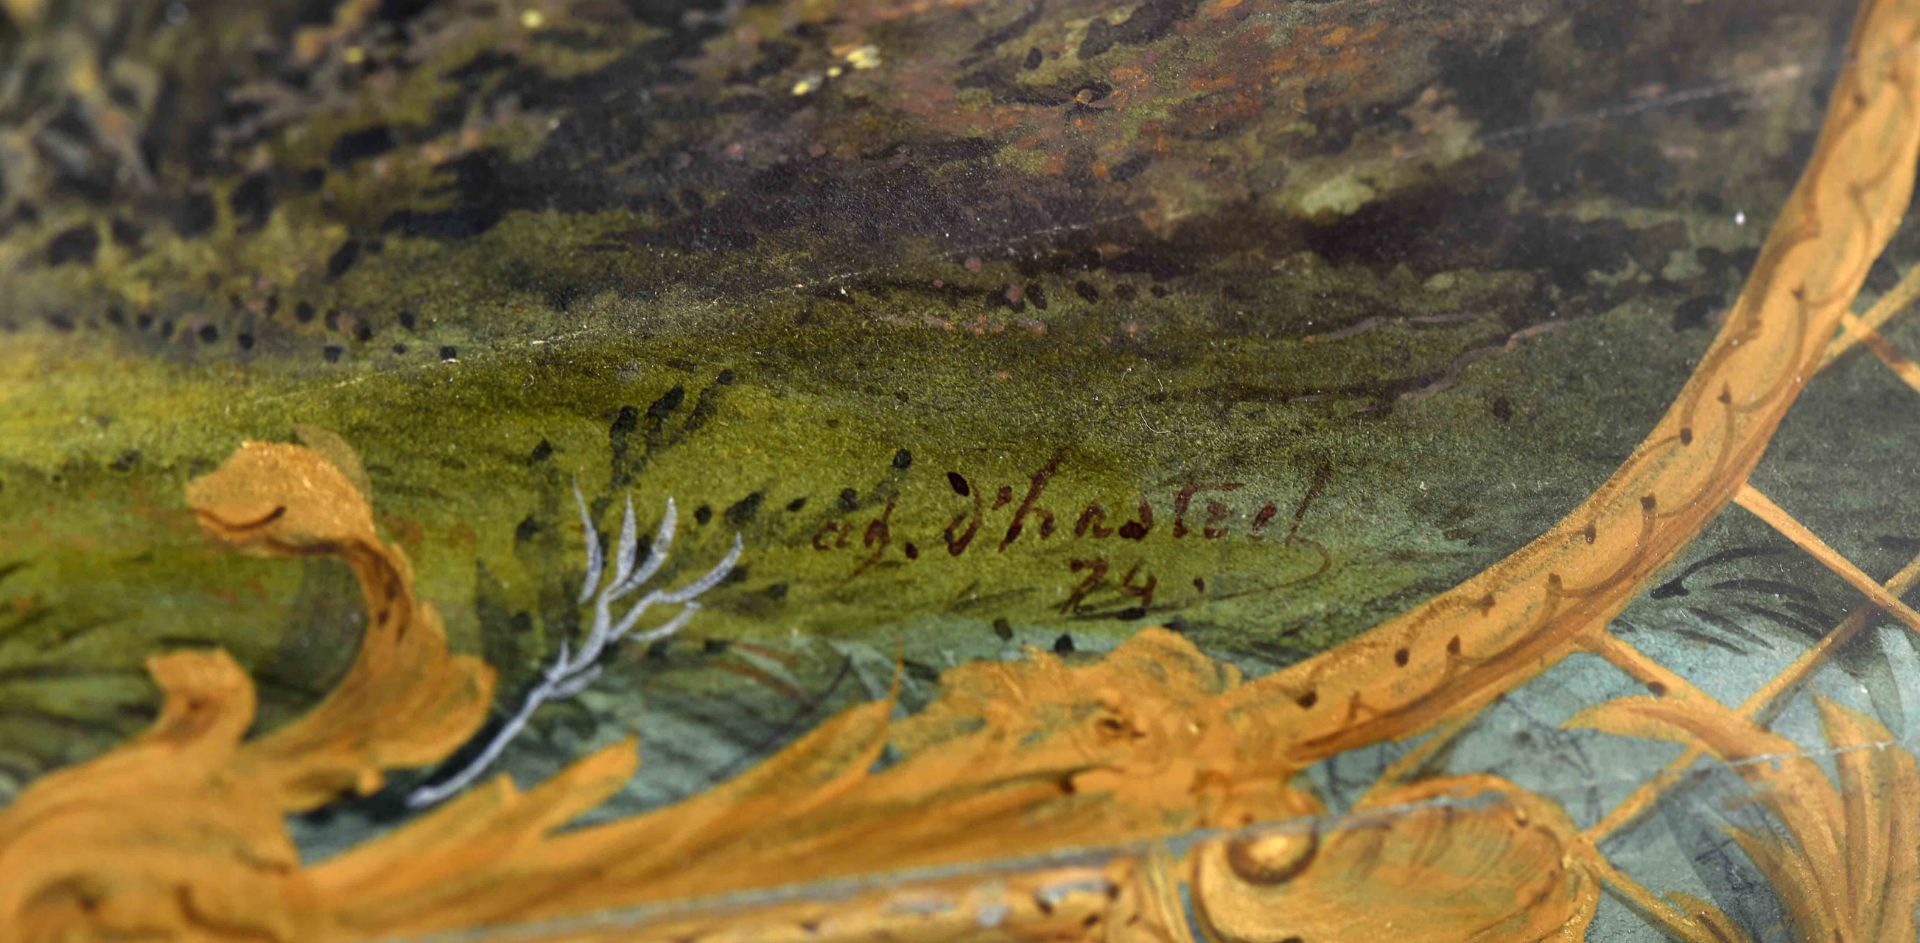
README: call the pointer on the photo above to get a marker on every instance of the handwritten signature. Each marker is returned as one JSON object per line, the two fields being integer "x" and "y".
{"x": 1199, "y": 510}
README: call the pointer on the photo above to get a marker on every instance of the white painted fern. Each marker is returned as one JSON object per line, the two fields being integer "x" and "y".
{"x": 572, "y": 671}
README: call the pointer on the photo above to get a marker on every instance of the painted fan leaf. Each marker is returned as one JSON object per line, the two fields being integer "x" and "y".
{"x": 1843, "y": 862}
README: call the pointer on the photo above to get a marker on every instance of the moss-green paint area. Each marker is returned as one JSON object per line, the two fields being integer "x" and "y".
{"x": 839, "y": 451}
{"x": 1349, "y": 305}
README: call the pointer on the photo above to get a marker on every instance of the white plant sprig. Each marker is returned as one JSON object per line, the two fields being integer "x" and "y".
{"x": 573, "y": 671}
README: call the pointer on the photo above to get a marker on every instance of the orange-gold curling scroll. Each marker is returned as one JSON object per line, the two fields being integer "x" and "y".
{"x": 179, "y": 835}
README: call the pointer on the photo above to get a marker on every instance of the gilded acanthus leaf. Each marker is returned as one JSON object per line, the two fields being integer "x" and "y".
{"x": 1844, "y": 867}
